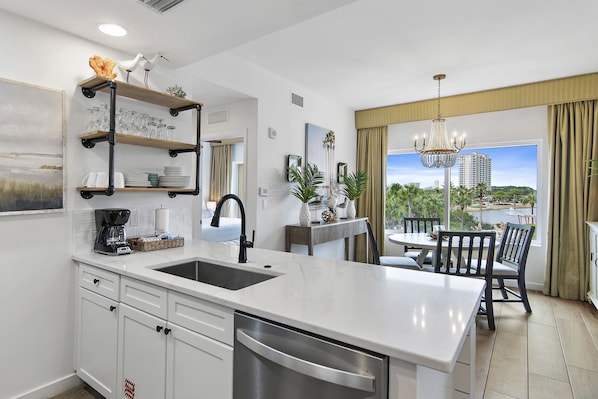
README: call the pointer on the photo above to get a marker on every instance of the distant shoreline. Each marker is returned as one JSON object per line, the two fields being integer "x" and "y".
{"x": 498, "y": 207}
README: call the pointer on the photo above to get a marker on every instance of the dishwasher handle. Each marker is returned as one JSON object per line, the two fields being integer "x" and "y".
{"x": 339, "y": 377}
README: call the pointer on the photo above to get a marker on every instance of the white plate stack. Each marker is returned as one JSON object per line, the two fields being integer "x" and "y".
{"x": 137, "y": 179}
{"x": 174, "y": 177}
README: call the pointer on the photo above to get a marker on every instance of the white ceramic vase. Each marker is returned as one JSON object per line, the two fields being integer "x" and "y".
{"x": 304, "y": 215}
{"x": 351, "y": 212}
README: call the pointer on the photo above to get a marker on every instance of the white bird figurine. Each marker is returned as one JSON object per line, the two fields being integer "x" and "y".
{"x": 148, "y": 65}
{"x": 131, "y": 65}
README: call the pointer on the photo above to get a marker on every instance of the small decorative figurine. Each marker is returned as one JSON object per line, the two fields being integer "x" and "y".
{"x": 103, "y": 67}
{"x": 130, "y": 65}
{"x": 328, "y": 215}
{"x": 176, "y": 91}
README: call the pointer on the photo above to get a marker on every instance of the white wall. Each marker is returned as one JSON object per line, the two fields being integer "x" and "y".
{"x": 523, "y": 126}
{"x": 36, "y": 273}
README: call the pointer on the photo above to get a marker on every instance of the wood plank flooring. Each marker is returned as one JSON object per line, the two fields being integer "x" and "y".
{"x": 550, "y": 353}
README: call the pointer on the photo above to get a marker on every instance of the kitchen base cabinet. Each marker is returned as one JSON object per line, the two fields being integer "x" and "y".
{"x": 162, "y": 360}
{"x": 197, "y": 366}
{"x": 142, "y": 354}
{"x": 97, "y": 329}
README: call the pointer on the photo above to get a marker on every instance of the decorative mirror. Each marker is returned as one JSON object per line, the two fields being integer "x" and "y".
{"x": 292, "y": 160}
{"x": 341, "y": 172}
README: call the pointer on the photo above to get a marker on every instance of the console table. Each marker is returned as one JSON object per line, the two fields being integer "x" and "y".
{"x": 317, "y": 233}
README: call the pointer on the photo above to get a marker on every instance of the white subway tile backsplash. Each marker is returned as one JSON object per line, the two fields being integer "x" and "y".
{"x": 141, "y": 223}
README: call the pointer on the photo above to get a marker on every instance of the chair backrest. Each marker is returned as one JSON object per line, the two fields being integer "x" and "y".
{"x": 419, "y": 225}
{"x": 373, "y": 244}
{"x": 465, "y": 253}
{"x": 514, "y": 245}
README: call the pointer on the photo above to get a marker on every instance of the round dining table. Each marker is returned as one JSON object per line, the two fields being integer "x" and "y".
{"x": 418, "y": 240}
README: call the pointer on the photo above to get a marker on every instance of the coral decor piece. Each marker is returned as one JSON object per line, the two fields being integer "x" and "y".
{"x": 176, "y": 91}
{"x": 103, "y": 67}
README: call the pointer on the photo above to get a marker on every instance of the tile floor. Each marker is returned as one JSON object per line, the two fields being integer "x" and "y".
{"x": 551, "y": 353}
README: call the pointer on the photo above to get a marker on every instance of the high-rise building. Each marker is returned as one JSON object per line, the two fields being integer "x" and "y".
{"x": 475, "y": 168}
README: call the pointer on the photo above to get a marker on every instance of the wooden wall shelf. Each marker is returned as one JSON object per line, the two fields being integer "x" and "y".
{"x": 122, "y": 138}
{"x": 90, "y": 86}
{"x": 140, "y": 93}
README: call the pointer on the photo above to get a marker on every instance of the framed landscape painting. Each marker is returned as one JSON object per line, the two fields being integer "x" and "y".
{"x": 31, "y": 149}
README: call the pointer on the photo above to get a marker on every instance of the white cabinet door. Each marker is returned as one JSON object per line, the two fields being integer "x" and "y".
{"x": 593, "y": 294}
{"x": 96, "y": 341}
{"x": 197, "y": 366}
{"x": 142, "y": 354}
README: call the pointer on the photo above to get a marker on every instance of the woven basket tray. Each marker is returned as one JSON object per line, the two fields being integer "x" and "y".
{"x": 144, "y": 246}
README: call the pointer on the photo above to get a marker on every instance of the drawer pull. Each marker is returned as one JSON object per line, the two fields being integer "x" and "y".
{"x": 96, "y": 280}
{"x": 167, "y": 331}
{"x": 159, "y": 328}
{"x": 112, "y": 307}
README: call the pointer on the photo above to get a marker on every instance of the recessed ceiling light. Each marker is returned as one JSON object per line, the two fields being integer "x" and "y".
{"x": 112, "y": 30}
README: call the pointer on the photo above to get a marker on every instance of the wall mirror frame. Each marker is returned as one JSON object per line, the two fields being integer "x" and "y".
{"x": 341, "y": 172}
{"x": 292, "y": 161}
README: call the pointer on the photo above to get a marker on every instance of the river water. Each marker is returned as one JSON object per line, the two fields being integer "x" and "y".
{"x": 495, "y": 216}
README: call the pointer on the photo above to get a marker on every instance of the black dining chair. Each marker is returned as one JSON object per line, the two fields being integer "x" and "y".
{"x": 510, "y": 262}
{"x": 419, "y": 225}
{"x": 392, "y": 261}
{"x": 460, "y": 253}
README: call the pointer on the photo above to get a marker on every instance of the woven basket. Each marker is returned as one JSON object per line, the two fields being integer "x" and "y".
{"x": 144, "y": 246}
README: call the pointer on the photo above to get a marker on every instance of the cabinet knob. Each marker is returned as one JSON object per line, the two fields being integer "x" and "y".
{"x": 159, "y": 328}
{"x": 167, "y": 331}
{"x": 96, "y": 280}
{"x": 112, "y": 307}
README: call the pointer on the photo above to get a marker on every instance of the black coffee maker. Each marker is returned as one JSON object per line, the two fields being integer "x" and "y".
{"x": 111, "y": 238}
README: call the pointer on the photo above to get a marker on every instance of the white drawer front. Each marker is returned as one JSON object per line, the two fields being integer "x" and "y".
{"x": 210, "y": 319}
{"x": 144, "y": 296}
{"x": 99, "y": 281}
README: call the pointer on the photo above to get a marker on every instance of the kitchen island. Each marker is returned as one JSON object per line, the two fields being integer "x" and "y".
{"x": 424, "y": 322}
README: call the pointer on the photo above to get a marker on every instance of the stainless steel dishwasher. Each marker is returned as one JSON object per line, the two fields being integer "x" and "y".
{"x": 273, "y": 361}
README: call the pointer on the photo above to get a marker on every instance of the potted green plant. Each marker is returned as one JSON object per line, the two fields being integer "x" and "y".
{"x": 308, "y": 180}
{"x": 354, "y": 186}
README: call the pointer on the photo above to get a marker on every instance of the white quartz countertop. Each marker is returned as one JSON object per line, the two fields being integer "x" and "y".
{"x": 415, "y": 316}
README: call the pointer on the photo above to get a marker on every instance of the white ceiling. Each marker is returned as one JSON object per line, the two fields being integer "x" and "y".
{"x": 361, "y": 53}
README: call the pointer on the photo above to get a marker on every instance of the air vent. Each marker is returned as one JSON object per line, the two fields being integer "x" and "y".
{"x": 160, "y": 6}
{"x": 218, "y": 117}
{"x": 296, "y": 99}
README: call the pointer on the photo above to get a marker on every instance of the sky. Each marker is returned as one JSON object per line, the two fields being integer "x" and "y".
{"x": 511, "y": 166}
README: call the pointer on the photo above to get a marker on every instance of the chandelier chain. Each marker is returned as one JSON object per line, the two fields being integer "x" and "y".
{"x": 438, "y": 99}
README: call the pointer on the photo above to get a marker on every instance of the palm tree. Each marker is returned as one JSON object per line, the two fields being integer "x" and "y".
{"x": 481, "y": 190}
{"x": 530, "y": 199}
{"x": 462, "y": 198}
{"x": 409, "y": 193}
{"x": 394, "y": 205}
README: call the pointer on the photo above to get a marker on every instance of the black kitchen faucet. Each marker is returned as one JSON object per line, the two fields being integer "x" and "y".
{"x": 243, "y": 243}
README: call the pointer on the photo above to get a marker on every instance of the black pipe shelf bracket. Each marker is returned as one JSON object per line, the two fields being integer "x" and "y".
{"x": 176, "y": 105}
{"x": 90, "y": 92}
{"x": 175, "y": 111}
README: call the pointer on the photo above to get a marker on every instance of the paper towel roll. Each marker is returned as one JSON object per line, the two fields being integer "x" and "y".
{"x": 162, "y": 218}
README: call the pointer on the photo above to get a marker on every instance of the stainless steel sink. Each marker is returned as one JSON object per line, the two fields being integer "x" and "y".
{"x": 218, "y": 275}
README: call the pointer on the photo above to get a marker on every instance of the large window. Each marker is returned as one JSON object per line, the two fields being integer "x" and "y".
{"x": 489, "y": 186}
